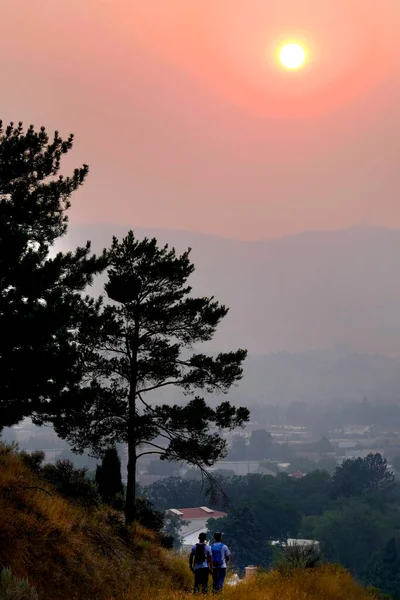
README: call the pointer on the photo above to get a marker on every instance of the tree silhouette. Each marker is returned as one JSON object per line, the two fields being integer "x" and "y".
{"x": 108, "y": 478}
{"x": 40, "y": 297}
{"x": 141, "y": 343}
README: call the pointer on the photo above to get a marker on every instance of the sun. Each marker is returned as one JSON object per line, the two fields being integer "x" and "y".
{"x": 292, "y": 55}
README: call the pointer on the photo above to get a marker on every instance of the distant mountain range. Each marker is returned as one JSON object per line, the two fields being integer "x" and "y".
{"x": 300, "y": 293}
{"x": 319, "y": 312}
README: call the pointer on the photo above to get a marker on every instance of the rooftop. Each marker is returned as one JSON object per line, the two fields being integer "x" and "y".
{"x": 202, "y": 512}
{"x": 297, "y": 475}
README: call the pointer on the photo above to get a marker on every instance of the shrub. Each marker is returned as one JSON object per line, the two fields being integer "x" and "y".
{"x": 147, "y": 516}
{"x": 298, "y": 557}
{"x": 12, "y": 588}
{"x": 33, "y": 460}
{"x": 72, "y": 483}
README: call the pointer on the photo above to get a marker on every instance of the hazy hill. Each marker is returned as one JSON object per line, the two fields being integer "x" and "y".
{"x": 298, "y": 295}
{"x": 310, "y": 291}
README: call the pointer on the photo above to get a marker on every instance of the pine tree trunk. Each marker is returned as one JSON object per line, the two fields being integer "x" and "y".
{"x": 130, "y": 504}
{"x": 130, "y": 501}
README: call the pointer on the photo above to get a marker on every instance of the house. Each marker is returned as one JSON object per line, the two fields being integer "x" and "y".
{"x": 296, "y": 542}
{"x": 195, "y": 522}
{"x": 297, "y": 475}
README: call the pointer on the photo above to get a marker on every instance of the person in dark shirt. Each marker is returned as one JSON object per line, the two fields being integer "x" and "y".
{"x": 200, "y": 563}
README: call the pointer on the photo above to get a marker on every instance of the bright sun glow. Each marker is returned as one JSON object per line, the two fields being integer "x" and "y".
{"x": 292, "y": 55}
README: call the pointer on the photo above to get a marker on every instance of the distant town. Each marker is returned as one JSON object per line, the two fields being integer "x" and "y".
{"x": 263, "y": 447}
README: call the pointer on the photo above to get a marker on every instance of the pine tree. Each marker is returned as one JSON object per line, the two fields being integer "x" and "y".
{"x": 108, "y": 478}
{"x": 40, "y": 297}
{"x": 140, "y": 343}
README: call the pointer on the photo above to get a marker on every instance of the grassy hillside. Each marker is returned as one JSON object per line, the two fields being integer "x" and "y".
{"x": 69, "y": 553}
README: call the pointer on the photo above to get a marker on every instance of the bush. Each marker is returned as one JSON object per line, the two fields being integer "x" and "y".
{"x": 72, "y": 483}
{"x": 12, "y": 588}
{"x": 33, "y": 460}
{"x": 147, "y": 516}
{"x": 298, "y": 557}
{"x": 152, "y": 519}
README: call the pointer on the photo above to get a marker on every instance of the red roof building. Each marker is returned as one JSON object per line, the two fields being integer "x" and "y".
{"x": 297, "y": 475}
{"x": 190, "y": 514}
{"x": 195, "y": 522}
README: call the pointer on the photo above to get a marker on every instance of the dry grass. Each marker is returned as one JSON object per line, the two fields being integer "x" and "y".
{"x": 323, "y": 583}
{"x": 68, "y": 553}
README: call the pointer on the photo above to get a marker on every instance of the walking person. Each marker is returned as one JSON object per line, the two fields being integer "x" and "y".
{"x": 201, "y": 564}
{"x": 220, "y": 557}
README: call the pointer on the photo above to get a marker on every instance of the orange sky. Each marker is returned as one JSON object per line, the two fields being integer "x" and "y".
{"x": 187, "y": 121}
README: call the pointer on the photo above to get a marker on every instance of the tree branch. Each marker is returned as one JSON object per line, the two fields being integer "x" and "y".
{"x": 152, "y": 445}
{"x": 107, "y": 349}
{"x": 149, "y": 452}
{"x": 156, "y": 387}
{"x": 172, "y": 434}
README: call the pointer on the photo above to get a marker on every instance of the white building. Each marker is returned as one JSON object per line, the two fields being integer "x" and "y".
{"x": 196, "y": 519}
{"x": 296, "y": 542}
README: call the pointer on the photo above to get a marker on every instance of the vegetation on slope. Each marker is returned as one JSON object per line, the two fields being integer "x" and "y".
{"x": 67, "y": 551}
{"x": 330, "y": 582}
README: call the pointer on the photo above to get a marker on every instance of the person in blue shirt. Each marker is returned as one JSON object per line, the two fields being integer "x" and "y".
{"x": 200, "y": 563}
{"x": 220, "y": 558}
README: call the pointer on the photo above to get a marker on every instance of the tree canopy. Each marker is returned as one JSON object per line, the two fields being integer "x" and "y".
{"x": 40, "y": 295}
{"x": 362, "y": 475}
{"x": 350, "y": 532}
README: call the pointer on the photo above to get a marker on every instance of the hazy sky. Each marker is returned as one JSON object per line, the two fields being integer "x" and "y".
{"x": 187, "y": 121}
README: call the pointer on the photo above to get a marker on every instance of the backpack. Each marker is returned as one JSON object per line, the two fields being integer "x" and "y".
{"x": 200, "y": 554}
{"x": 216, "y": 550}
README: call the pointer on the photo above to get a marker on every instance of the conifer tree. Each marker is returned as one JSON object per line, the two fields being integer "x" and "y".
{"x": 141, "y": 342}
{"x": 108, "y": 478}
{"x": 40, "y": 296}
